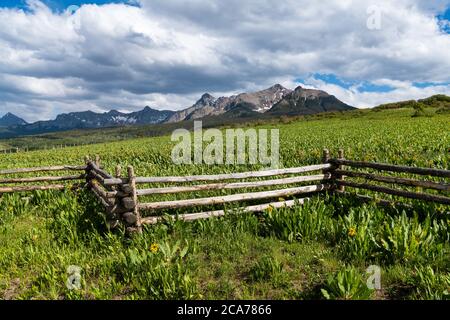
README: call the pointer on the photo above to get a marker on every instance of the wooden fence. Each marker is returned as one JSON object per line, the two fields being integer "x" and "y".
{"x": 124, "y": 204}
{"x": 121, "y": 195}
{"x": 341, "y": 173}
{"x": 13, "y": 183}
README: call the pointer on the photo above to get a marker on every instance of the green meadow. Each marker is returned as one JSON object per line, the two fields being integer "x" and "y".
{"x": 320, "y": 250}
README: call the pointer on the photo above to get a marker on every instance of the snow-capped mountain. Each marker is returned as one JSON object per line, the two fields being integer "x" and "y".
{"x": 207, "y": 105}
{"x": 273, "y": 101}
{"x": 89, "y": 119}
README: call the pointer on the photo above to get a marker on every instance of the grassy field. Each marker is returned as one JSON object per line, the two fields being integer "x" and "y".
{"x": 435, "y": 105}
{"x": 317, "y": 251}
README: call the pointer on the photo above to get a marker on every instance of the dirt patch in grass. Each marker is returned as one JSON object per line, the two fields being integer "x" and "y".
{"x": 13, "y": 290}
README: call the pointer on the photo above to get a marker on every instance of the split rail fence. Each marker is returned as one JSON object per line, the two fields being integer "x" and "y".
{"x": 122, "y": 198}
{"x": 14, "y": 184}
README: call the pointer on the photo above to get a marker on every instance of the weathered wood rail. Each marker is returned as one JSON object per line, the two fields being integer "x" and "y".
{"x": 341, "y": 173}
{"x": 43, "y": 179}
{"x": 122, "y": 198}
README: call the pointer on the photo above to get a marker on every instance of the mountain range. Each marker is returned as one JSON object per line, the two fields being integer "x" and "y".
{"x": 91, "y": 120}
{"x": 274, "y": 101}
{"x": 260, "y": 101}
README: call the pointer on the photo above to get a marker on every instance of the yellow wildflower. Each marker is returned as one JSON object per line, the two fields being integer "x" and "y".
{"x": 270, "y": 209}
{"x": 154, "y": 248}
{"x": 351, "y": 232}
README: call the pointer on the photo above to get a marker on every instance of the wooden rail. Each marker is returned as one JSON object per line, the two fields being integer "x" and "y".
{"x": 382, "y": 202}
{"x": 43, "y": 179}
{"x": 395, "y": 192}
{"x": 221, "y": 177}
{"x": 26, "y": 180}
{"x": 33, "y": 188}
{"x": 219, "y": 213}
{"x": 235, "y": 185}
{"x": 232, "y": 198}
{"x": 43, "y": 169}
{"x": 396, "y": 180}
{"x": 393, "y": 168}
{"x": 341, "y": 174}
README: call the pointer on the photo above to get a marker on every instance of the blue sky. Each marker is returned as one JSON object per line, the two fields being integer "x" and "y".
{"x": 166, "y": 54}
{"x": 445, "y": 16}
{"x": 365, "y": 86}
{"x": 59, "y": 5}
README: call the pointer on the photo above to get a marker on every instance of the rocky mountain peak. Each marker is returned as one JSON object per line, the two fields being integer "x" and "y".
{"x": 113, "y": 113}
{"x": 265, "y": 99}
{"x": 206, "y": 100}
{"x": 11, "y": 119}
{"x": 300, "y": 91}
{"x": 277, "y": 87}
{"x": 207, "y": 105}
{"x": 207, "y": 96}
{"x": 303, "y": 101}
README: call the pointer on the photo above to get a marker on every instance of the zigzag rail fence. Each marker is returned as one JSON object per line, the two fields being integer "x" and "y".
{"x": 120, "y": 195}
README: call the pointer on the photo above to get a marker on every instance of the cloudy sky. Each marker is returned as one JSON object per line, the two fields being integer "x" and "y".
{"x": 73, "y": 55}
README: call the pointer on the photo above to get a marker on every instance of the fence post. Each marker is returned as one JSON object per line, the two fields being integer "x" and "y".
{"x": 118, "y": 171}
{"x": 132, "y": 184}
{"x": 97, "y": 161}
{"x": 113, "y": 217}
{"x": 341, "y": 167}
{"x": 325, "y": 156}
{"x": 325, "y": 159}
{"x": 87, "y": 171}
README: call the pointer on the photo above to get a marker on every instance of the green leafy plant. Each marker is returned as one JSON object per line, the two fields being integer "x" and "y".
{"x": 160, "y": 271}
{"x": 266, "y": 268}
{"x": 402, "y": 239}
{"x": 347, "y": 284}
{"x": 355, "y": 234}
{"x": 310, "y": 221}
{"x": 430, "y": 285}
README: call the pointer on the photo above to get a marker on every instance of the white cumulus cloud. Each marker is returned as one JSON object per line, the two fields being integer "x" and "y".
{"x": 166, "y": 53}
